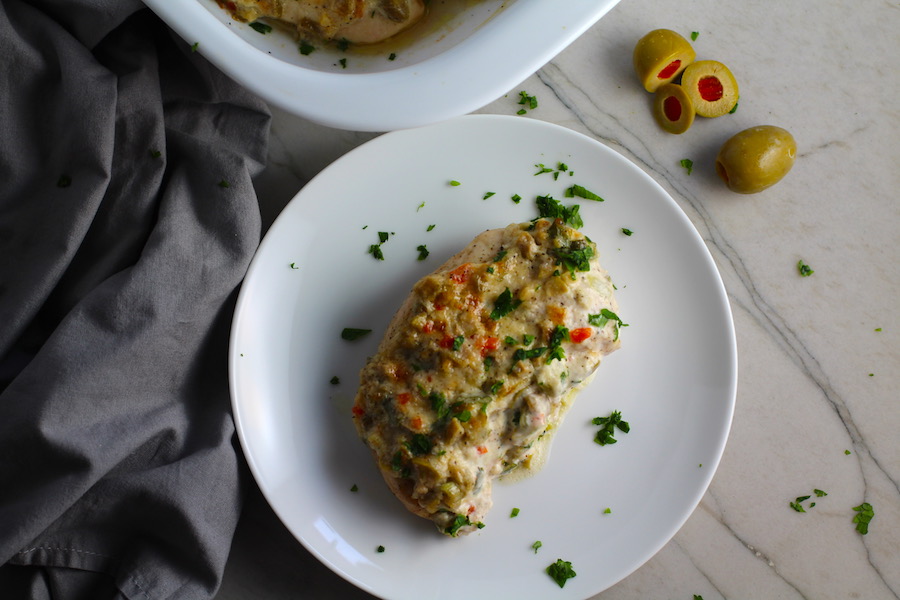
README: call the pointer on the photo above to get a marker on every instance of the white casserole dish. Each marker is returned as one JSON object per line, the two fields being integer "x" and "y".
{"x": 468, "y": 54}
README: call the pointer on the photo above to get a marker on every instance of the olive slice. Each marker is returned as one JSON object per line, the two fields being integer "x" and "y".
{"x": 711, "y": 87}
{"x": 660, "y": 56}
{"x": 673, "y": 109}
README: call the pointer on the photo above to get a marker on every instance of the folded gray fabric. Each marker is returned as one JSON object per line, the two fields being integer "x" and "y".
{"x": 127, "y": 221}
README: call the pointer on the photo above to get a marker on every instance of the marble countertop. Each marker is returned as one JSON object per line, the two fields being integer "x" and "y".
{"x": 818, "y": 404}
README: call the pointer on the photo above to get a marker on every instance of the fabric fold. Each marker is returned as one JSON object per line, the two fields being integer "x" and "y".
{"x": 127, "y": 222}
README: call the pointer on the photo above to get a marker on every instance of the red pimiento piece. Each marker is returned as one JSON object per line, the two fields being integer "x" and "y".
{"x": 579, "y": 335}
{"x": 672, "y": 108}
{"x": 404, "y": 397}
{"x": 446, "y": 342}
{"x": 461, "y": 273}
{"x": 488, "y": 344}
{"x": 710, "y": 89}
{"x": 670, "y": 69}
{"x": 357, "y": 411}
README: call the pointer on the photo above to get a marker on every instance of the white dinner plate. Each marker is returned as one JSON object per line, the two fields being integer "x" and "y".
{"x": 674, "y": 378}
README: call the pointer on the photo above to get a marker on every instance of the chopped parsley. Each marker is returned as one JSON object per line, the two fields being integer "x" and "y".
{"x": 419, "y": 444}
{"x": 454, "y": 183}
{"x": 458, "y": 342}
{"x": 487, "y": 195}
{"x": 335, "y": 380}
{"x": 375, "y": 249}
{"x": 430, "y": 227}
{"x": 420, "y": 206}
{"x": 797, "y": 503}
{"x": 501, "y": 254}
{"x": 528, "y": 100}
{"x": 355, "y": 488}
{"x": 551, "y": 208}
{"x": 608, "y": 425}
{"x": 224, "y": 184}
{"x": 423, "y": 252}
{"x": 819, "y": 493}
{"x": 195, "y": 46}
{"x": 542, "y": 168}
{"x": 847, "y": 452}
{"x": 688, "y": 164}
{"x": 582, "y": 192}
{"x": 733, "y": 109}
{"x": 561, "y": 571}
{"x": 804, "y": 269}
{"x": 607, "y": 511}
{"x": 606, "y": 315}
{"x": 504, "y": 304}
{"x": 864, "y": 514}
{"x": 351, "y": 333}
{"x": 514, "y": 513}
{"x": 261, "y": 27}
{"x": 574, "y": 257}
{"x": 523, "y": 354}
{"x": 458, "y": 523}
{"x": 627, "y": 231}
{"x": 392, "y": 56}
{"x": 516, "y": 198}
{"x": 536, "y": 545}
{"x": 294, "y": 266}
{"x": 379, "y": 549}
{"x": 439, "y": 405}
{"x": 489, "y": 362}
{"x": 306, "y": 48}
{"x": 154, "y": 153}
{"x": 695, "y": 35}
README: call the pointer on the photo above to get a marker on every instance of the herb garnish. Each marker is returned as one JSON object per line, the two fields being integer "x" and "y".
{"x": 487, "y": 195}
{"x": 864, "y": 514}
{"x": 523, "y": 354}
{"x": 695, "y": 35}
{"x": 355, "y": 488}
{"x": 454, "y": 183}
{"x": 351, "y": 333}
{"x": 804, "y": 269}
{"x": 688, "y": 164}
{"x": 224, "y": 184}
{"x": 574, "y": 257}
{"x": 419, "y": 444}
{"x": 608, "y": 425}
{"x": 459, "y": 522}
{"x": 195, "y": 46}
{"x": 527, "y": 100}
{"x": 335, "y": 380}
{"x": 154, "y": 153}
{"x": 516, "y": 198}
{"x": 423, "y": 252}
{"x": 306, "y": 48}
{"x": 536, "y": 545}
{"x": 392, "y": 56}
{"x": 551, "y": 208}
{"x": 261, "y": 27}
{"x": 504, "y": 304}
{"x": 542, "y": 168}
{"x": 379, "y": 549}
{"x": 582, "y": 192}
{"x": 627, "y": 231}
{"x": 561, "y": 571}
{"x": 458, "y": 342}
{"x": 604, "y": 317}
{"x": 430, "y": 227}
{"x": 514, "y": 513}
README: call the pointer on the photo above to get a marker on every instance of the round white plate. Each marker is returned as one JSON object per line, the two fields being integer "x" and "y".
{"x": 674, "y": 379}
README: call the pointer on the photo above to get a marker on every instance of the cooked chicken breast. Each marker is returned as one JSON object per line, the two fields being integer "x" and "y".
{"x": 481, "y": 361}
{"x": 357, "y": 21}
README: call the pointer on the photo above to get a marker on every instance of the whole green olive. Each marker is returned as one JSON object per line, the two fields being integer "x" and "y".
{"x": 756, "y": 158}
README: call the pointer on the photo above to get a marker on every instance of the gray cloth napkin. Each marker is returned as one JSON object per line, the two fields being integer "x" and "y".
{"x": 127, "y": 222}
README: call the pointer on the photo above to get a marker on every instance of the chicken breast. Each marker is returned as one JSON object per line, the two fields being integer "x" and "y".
{"x": 480, "y": 362}
{"x": 357, "y": 21}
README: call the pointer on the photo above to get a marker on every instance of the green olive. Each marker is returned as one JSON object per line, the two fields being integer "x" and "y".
{"x": 711, "y": 86}
{"x": 660, "y": 56}
{"x": 756, "y": 158}
{"x": 672, "y": 108}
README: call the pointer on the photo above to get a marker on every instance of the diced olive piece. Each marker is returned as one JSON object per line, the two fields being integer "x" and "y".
{"x": 660, "y": 56}
{"x": 673, "y": 109}
{"x": 756, "y": 158}
{"x": 711, "y": 86}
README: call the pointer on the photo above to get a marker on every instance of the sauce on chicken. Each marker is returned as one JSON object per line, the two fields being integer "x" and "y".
{"x": 480, "y": 362}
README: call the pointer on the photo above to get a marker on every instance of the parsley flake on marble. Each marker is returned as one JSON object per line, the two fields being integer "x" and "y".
{"x": 864, "y": 515}
{"x": 561, "y": 571}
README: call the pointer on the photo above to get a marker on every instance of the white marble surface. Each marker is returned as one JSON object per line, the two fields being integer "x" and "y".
{"x": 819, "y": 356}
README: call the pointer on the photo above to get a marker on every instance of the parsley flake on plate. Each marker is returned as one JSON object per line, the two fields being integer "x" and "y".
{"x": 561, "y": 571}
{"x": 804, "y": 269}
{"x": 688, "y": 164}
{"x": 351, "y": 333}
{"x": 608, "y": 425}
{"x": 864, "y": 514}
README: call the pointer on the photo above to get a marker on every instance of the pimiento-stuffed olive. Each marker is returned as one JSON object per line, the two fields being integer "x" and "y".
{"x": 711, "y": 87}
{"x": 660, "y": 56}
{"x": 756, "y": 158}
{"x": 673, "y": 109}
